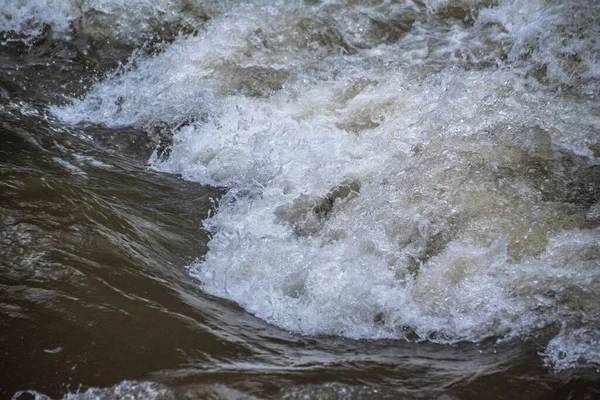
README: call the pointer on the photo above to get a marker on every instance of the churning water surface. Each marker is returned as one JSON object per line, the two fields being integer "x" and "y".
{"x": 300, "y": 199}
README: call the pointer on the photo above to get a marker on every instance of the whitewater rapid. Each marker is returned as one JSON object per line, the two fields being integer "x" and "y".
{"x": 415, "y": 170}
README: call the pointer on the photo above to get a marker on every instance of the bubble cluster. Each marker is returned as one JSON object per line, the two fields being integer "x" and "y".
{"x": 427, "y": 172}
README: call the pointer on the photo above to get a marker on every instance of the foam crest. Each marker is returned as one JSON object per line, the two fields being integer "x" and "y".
{"x": 556, "y": 42}
{"x": 129, "y": 22}
{"x": 369, "y": 197}
{"x": 125, "y": 389}
{"x": 28, "y": 18}
{"x": 410, "y": 224}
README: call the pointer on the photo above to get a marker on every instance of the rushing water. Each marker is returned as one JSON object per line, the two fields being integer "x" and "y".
{"x": 299, "y": 199}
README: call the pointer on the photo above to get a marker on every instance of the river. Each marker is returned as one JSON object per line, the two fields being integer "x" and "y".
{"x": 331, "y": 199}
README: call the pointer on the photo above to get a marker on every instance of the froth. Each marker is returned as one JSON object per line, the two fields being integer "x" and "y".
{"x": 369, "y": 196}
{"x": 28, "y": 18}
{"x": 130, "y": 22}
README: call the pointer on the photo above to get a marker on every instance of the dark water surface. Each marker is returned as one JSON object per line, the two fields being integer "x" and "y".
{"x": 96, "y": 300}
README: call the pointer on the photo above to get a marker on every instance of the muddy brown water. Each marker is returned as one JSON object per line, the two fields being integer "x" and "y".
{"x": 94, "y": 291}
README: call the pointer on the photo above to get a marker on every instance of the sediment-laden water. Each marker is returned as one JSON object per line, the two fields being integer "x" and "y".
{"x": 299, "y": 199}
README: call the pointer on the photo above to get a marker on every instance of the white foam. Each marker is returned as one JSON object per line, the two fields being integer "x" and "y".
{"x": 28, "y": 17}
{"x": 368, "y": 197}
{"x": 559, "y": 41}
{"x": 127, "y": 22}
{"x": 36, "y": 395}
{"x": 573, "y": 348}
{"x": 125, "y": 390}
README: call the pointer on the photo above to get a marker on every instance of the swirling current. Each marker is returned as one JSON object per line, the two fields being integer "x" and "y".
{"x": 295, "y": 199}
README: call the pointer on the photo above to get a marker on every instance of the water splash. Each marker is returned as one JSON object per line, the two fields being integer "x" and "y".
{"x": 424, "y": 185}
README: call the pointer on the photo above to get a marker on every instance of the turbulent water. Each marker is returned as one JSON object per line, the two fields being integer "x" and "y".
{"x": 300, "y": 199}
